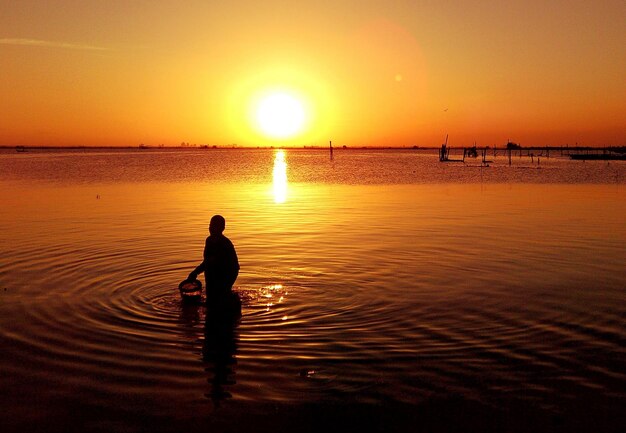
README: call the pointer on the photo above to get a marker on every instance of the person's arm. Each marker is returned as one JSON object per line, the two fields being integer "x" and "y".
{"x": 233, "y": 264}
{"x": 202, "y": 266}
{"x": 198, "y": 270}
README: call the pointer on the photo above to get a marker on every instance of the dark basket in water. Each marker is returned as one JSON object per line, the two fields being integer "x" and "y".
{"x": 190, "y": 290}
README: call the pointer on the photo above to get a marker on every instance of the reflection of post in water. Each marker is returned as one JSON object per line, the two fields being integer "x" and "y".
{"x": 218, "y": 353}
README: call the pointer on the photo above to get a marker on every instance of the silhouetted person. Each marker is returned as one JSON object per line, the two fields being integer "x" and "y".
{"x": 220, "y": 267}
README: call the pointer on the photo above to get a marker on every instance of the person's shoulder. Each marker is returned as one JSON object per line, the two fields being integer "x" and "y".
{"x": 218, "y": 239}
{"x": 225, "y": 242}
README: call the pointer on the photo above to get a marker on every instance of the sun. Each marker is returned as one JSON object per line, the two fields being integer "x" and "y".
{"x": 280, "y": 115}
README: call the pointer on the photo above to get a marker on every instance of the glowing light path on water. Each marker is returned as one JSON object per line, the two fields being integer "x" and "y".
{"x": 280, "y": 177}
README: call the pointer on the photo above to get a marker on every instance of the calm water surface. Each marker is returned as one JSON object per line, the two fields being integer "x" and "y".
{"x": 382, "y": 279}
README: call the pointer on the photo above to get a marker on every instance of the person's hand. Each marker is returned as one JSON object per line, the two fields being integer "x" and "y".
{"x": 192, "y": 276}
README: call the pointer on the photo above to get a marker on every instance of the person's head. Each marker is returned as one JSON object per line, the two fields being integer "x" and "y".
{"x": 217, "y": 225}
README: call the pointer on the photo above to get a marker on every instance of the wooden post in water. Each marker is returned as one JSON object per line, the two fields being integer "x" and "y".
{"x": 444, "y": 151}
{"x": 330, "y": 145}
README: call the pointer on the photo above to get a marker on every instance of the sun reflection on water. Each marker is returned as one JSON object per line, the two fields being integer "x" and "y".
{"x": 280, "y": 177}
{"x": 270, "y": 293}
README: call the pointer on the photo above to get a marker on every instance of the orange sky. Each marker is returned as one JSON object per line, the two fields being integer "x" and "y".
{"x": 83, "y": 72}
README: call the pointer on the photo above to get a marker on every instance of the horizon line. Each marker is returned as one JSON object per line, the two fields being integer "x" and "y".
{"x": 312, "y": 147}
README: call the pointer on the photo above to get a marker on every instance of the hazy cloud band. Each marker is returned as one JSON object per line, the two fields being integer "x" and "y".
{"x": 49, "y": 44}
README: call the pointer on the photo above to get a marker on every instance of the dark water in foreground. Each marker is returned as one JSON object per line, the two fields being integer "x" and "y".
{"x": 381, "y": 292}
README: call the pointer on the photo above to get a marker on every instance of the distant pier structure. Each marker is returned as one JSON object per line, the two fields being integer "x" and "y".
{"x": 444, "y": 153}
{"x": 602, "y": 154}
{"x": 535, "y": 153}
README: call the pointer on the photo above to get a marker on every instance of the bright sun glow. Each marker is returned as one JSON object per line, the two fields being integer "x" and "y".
{"x": 280, "y": 115}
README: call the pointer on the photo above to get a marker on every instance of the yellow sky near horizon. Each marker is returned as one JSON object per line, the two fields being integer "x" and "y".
{"x": 165, "y": 72}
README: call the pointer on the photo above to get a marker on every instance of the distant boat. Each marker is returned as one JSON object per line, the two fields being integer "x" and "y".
{"x": 20, "y": 149}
